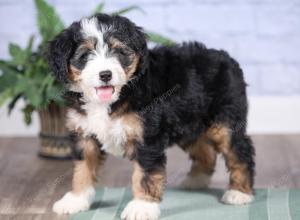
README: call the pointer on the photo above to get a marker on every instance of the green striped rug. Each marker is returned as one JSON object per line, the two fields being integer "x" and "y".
{"x": 271, "y": 204}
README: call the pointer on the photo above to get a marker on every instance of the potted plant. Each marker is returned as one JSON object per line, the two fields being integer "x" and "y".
{"x": 27, "y": 76}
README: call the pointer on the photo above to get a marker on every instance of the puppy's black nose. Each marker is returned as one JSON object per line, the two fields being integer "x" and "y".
{"x": 105, "y": 76}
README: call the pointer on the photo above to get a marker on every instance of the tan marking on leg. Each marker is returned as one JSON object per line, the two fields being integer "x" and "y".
{"x": 203, "y": 156}
{"x": 221, "y": 136}
{"x": 85, "y": 172}
{"x": 149, "y": 186}
{"x": 239, "y": 174}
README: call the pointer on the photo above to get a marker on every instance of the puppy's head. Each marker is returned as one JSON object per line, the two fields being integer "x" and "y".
{"x": 98, "y": 56}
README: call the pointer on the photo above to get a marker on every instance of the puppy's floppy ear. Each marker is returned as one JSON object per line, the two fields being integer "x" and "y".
{"x": 141, "y": 41}
{"x": 138, "y": 40}
{"x": 60, "y": 50}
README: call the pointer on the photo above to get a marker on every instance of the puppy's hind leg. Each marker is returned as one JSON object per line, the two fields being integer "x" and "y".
{"x": 84, "y": 178}
{"x": 203, "y": 156}
{"x": 238, "y": 153}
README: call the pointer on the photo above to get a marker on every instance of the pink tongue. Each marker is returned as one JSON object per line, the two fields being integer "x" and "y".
{"x": 105, "y": 93}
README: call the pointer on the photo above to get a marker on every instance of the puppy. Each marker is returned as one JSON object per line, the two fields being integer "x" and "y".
{"x": 134, "y": 102}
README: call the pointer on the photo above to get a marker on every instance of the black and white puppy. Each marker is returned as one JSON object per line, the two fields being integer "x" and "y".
{"x": 130, "y": 101}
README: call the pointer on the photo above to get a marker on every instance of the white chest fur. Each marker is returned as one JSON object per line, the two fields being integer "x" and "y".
{"x": 111, "y": 132}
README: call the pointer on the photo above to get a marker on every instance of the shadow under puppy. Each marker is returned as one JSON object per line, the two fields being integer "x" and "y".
{"x": 130, "y": 101}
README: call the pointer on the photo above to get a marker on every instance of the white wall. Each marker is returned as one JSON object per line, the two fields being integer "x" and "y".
{"x": 274, "y": 114}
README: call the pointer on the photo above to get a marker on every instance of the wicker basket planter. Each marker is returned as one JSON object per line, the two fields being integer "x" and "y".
{"x": 54, "y": 142}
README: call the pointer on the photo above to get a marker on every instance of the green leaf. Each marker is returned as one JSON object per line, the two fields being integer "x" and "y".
{"x": 159, "y": 39}
{"x": 7, "y": 67}
{"x": 99, "y": 8}
{"x": 8, "y": 76}
{"x": 7, "y": 81}
{"x": 54, "y": 93}
{"x": 46, "y": 82}
{"x": 29, "y": 45}
{"x": 33, "y": 97}
{"x": 18, "y": 55}
{"x": 29, "y": 88}
{"x": 128, "y": 9}
{"x": 14, "y": 49}
{"x": 22, "y": 84}
{"x": 6, "y": 64}
{"x": 28, "y": 110}
{"x": 49, "y": 22}
{"x": 5, "y": 95}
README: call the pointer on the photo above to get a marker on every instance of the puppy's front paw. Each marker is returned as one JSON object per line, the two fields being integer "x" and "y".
{"x": 235, "y": 197}
{"x": 201, "y": 181}
{"x": 141, "y": 210}
{"x": 72, "y": 203}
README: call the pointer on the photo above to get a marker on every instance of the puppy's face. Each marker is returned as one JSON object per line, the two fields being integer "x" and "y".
{"x": 101, "y": 54}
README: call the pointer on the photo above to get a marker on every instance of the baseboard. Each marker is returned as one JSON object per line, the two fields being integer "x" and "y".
{"x": 267, "y": 115}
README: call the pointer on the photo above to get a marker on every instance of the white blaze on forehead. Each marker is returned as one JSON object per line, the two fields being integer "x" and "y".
{"x": 91, "y": 28}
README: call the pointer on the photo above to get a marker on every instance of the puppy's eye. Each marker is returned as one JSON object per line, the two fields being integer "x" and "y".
{"x": 83, "y": 56}
{"x": 123, "y": 51}
{"x": 80, "y": 58}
